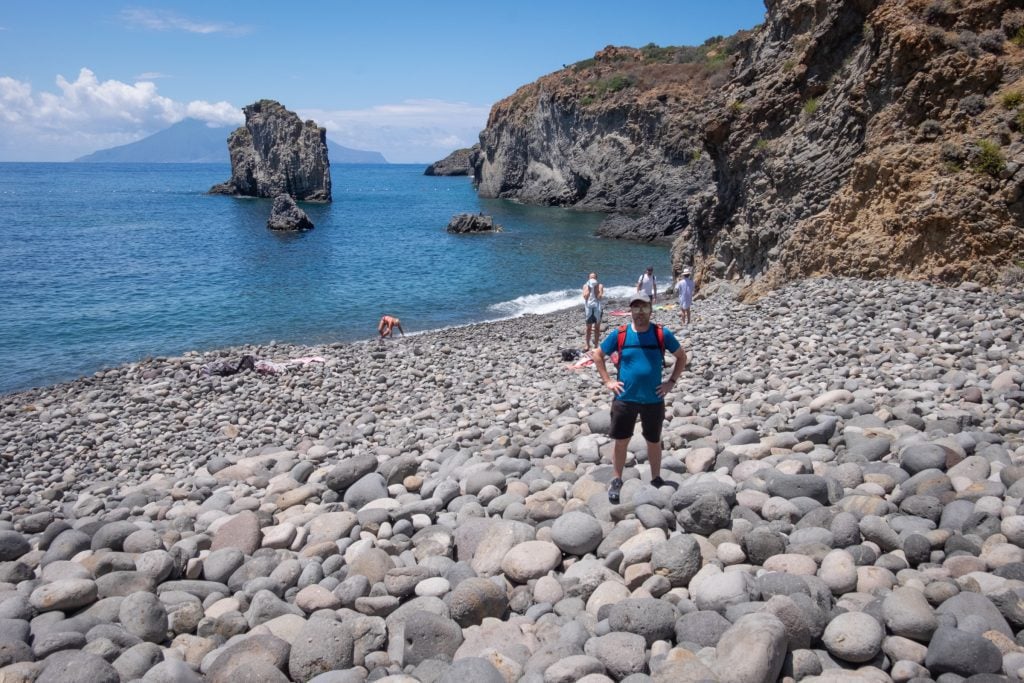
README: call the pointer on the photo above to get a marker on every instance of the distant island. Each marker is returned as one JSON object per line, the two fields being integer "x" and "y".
{"x": 193, "y": 142}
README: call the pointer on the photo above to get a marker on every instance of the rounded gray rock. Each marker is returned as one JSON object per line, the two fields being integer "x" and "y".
{"x": 962, "y": 653}
{"x": 572, "y": 668}
{"x": 172, "y": 671}
{"x": 137, "y": 660}
{"x": 64, "y": 594}
{"x": 369, "y": 487}
{"x": 219, "y": 565}
{"x": 853, "y": 637}
{"x": 349, "y": 471}
{"x": 144, "y": 616}
{"x": 112, "y": 535}
{"x": 647, "y": 617}
{"x": 719, "y": 591}
{"x": 429, "y": 635}
{"x": 752, "y": 649}
{"x": 66, "y": 545}
{"x": 702, "y": 627}
{"x": 322, "y": 645}
{"x": 241, "y": 532}
{"x": 918, "y": 457}
{"x": 12, "y": 545}
{"x": 474, "y": 599}
{"x": 70, "y": 665}
{"x": 678, "y": 560}
{"x": 907, "y": 613}
{"x": 475, "y": 669}
{"x": 268, "y": 650}
{"x": 622, "y": 654}
{"x": 577, "y": 533}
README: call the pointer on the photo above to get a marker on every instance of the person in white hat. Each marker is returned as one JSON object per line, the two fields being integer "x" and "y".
{"x": 685, "y": 288}
{"x": 593, "y": 295}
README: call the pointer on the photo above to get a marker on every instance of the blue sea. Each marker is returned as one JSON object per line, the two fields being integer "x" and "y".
{"x": 111, "y": 263}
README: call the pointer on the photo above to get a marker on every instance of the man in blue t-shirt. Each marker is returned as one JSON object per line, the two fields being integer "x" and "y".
{"x": 639, "y": 389}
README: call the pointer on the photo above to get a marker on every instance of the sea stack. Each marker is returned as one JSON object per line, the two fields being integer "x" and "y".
{"x": 276, "y": 153}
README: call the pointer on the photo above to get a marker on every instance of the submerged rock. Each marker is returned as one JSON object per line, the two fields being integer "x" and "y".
{"x": 286, "y": 215}
{"x": 276, "y": 153}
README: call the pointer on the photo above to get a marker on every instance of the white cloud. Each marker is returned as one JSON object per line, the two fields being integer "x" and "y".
{"x": 413, "y": 131}
{"x": 88, "y": 114}
{"x": 164, "y": 20}
{"x": 151, "y": 76}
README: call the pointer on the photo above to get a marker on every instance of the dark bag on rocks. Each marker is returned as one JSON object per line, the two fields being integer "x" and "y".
{"x": 223, "y": 368}
{"x": 569, "y": 355}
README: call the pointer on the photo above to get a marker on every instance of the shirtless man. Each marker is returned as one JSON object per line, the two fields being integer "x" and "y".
{"x": 387, "y": 325}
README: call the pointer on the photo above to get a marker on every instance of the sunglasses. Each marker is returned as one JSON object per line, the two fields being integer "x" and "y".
{"x": 640, "y": 307}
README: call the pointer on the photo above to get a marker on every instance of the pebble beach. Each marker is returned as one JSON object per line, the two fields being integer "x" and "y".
{"x": 845, "y": 475}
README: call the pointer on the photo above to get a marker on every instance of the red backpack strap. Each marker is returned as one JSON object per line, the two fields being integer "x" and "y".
{"x": 659, "y": 332}
{"x": 620, "y": 343}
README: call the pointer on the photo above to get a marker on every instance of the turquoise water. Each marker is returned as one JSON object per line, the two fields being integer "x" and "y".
{"x": 109, "y": 263}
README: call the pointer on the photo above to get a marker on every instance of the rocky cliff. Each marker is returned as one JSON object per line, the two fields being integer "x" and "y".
{"x": 276, "y": 153}
{"x": 459, "y": 162}
{"x": 856, "y": 137}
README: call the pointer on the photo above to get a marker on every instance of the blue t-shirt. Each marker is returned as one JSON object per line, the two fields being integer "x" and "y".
{"x": 640, "y": 366}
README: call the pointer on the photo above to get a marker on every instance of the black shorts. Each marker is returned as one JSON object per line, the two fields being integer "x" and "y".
{"x": 652, "y": 416}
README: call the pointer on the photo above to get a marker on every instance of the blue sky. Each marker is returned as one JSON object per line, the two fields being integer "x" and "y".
{"x": 410, "y": 79}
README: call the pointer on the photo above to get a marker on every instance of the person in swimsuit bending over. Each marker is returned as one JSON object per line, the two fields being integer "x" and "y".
{"x": 387, "y": 325}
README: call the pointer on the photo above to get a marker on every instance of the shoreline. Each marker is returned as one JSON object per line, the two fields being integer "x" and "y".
{"x": 185, "y": 366}
{"x": 837, "y": 452}
{"x": 240, "y": 349}
{"x": 188, "y": 353}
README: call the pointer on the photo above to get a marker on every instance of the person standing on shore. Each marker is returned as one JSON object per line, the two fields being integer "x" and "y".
{"x": 638, "y": 390}
{"x": 387, "y": 325}
{"x": 648, "y": 284}
{"x": 685, "y": 289}
{"x": 593, "y": 295}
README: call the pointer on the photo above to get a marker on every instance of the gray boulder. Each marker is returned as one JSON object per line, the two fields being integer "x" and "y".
{"x": 370, "y": 487}
{"x": 286, "y": 215}
{"x": 475, "y": 599}
{"x": 678, "y": 559}
{"x": 474, "y": 669}
{"x": 426, "y": 636}
{"x": 70, "y": 665}
{"x": 703, "y": 627}
{"x": 647, "y": 617}
{"x": 12, "y": 545}
{"x": 962, "y": 653}
{"x": 322, "y": 645}
{"x": 622, "y": 654}
{"x": 262, "y": 649}
{"x": 752, "y": 650}
{"x": 349, "y": 471}
{"x": 463, "y": 223}
{"x": 137, "y": 660}
{"x": 577, "y": 533}
{"x": 144, "y": 616}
